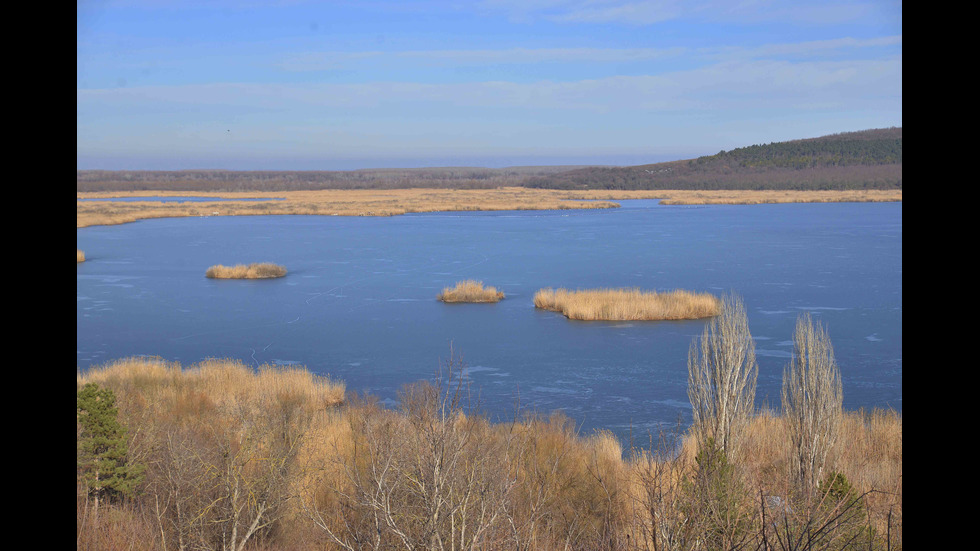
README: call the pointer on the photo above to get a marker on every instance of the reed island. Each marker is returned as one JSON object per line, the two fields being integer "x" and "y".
{"x": 263, "y": 270}
{"x": 470, "y": 291}
{"x": 628, "y": 304}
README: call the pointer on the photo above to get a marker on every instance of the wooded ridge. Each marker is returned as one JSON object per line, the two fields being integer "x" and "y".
{"x": 869, "y": 159}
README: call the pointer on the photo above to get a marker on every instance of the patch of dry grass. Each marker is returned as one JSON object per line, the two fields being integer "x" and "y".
{"x": 326, "y": 203}
{"x": 391, "y": 202}
{"x": 628, "y": 304}
{"x": 214, "y": 381}
{"x": 470, "y": 291}
{"x": 252, "y": 271}
{"x": 79, "y": 256}
{"x": 755, "y": 197}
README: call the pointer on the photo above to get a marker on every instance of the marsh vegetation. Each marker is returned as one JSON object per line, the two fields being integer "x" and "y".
{"x": 79, "y": 255}
{"x": 628, "y": 304}
{"x": 262, "y": 270}
{"x": 327, "y": 203}
{"x": 470, "y": 291}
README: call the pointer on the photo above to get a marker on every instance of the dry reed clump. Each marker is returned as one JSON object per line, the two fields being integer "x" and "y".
{"x": 628, "y": 304}
{"x": 470, "y": 291}
{"x": 252, "y": 271}
{"x": 79, "y": 256}
{"x": 221, "y": 381}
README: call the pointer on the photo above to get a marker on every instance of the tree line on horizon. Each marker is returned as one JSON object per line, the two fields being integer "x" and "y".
{"x": 870, "y": 159}
{"x": 859, "y": 160}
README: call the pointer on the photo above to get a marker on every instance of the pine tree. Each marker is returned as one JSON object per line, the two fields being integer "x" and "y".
{"x": 102, "y": 446}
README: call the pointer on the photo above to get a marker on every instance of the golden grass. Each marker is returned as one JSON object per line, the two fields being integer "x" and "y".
{"x": 326, "y": 203}
{"x": 213, "y": 381}
{"x": 628, "y": 304}
{"x": 470, "y": 291}
{"x": 79, "y": 256}
{"x": 753, "y": 197}
{"x": 400, "y": 201}
{"x": 252, "y": 271}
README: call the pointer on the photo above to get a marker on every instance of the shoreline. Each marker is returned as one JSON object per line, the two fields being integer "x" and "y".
{"x": 393, "y": 202}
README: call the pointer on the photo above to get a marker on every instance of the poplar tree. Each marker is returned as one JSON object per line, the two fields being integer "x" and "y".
{"x": 102, "y": 446}
{"x": 721, "y": 381}
{"x": 812, "y": 400}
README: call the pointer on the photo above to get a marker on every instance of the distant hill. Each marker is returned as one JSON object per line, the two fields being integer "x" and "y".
{"x": 869, "y": 159}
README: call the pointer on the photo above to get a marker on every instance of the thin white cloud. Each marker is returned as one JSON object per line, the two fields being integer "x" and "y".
{"x": 324, "y": 61}
{"x": 809, "y": 48}
{"x": 321, "y": 61}
{"x": 742, "y": 84}
{"x": 650, "y": 12}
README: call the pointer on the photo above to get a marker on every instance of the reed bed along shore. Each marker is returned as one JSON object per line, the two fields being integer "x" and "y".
{"x": 470, "y": 291}
{"x": 628, "y": 304}
{"x": 754, "y": 197}
{"x": 393, "y": 202}
{"x": 79, "y": 256}
{"x": 327, "y": 203}
{"x": 263, "y": 270}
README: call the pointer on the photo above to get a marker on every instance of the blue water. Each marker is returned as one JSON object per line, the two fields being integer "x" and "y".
{"x": 359, "y": 301}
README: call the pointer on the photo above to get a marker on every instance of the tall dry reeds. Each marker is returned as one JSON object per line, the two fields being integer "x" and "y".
{"x": 217, "y": 382}
{"x": 263, "y": 270}
{"x": 79, "y": 255}
{"x": 470, "y": 291}
{"x": 628, "y": 304}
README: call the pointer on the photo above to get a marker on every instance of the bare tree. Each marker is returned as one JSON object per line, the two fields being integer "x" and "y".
{"x": 220, "y": 481}
{"x": 812, "y": 400}
{"x": 722, "y": 373}
{"x": 658, "y": 501}
{"x": 429, "y": 477}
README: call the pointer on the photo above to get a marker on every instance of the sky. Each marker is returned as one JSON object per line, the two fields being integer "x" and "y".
{"x": 343, "y": 85}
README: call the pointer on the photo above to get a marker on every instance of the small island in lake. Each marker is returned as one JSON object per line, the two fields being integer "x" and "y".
{"x": 252, "y": 271}
{"x": 470, "y": 291}
{"x": 628, "y": 304}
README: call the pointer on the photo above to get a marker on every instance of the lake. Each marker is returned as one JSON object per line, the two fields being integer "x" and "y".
{"x": 359, "y": 301}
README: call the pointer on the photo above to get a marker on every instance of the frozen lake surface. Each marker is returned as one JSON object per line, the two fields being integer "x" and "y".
{"x": 359, "y": 301}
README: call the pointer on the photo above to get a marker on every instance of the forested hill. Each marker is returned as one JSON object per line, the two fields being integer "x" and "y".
{"x": 870, "y": 159}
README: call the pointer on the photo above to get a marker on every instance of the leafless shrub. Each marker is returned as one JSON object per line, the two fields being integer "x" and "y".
{"x": 429, "y": 477}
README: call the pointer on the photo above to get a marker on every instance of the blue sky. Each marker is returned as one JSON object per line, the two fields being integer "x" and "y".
{"x": 340, "y": 85}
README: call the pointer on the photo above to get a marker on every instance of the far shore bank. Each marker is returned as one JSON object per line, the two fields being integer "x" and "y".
{"x": 401, "y": 201}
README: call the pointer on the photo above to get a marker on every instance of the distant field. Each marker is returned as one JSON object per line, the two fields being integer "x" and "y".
{"x": 329, "y": 202}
